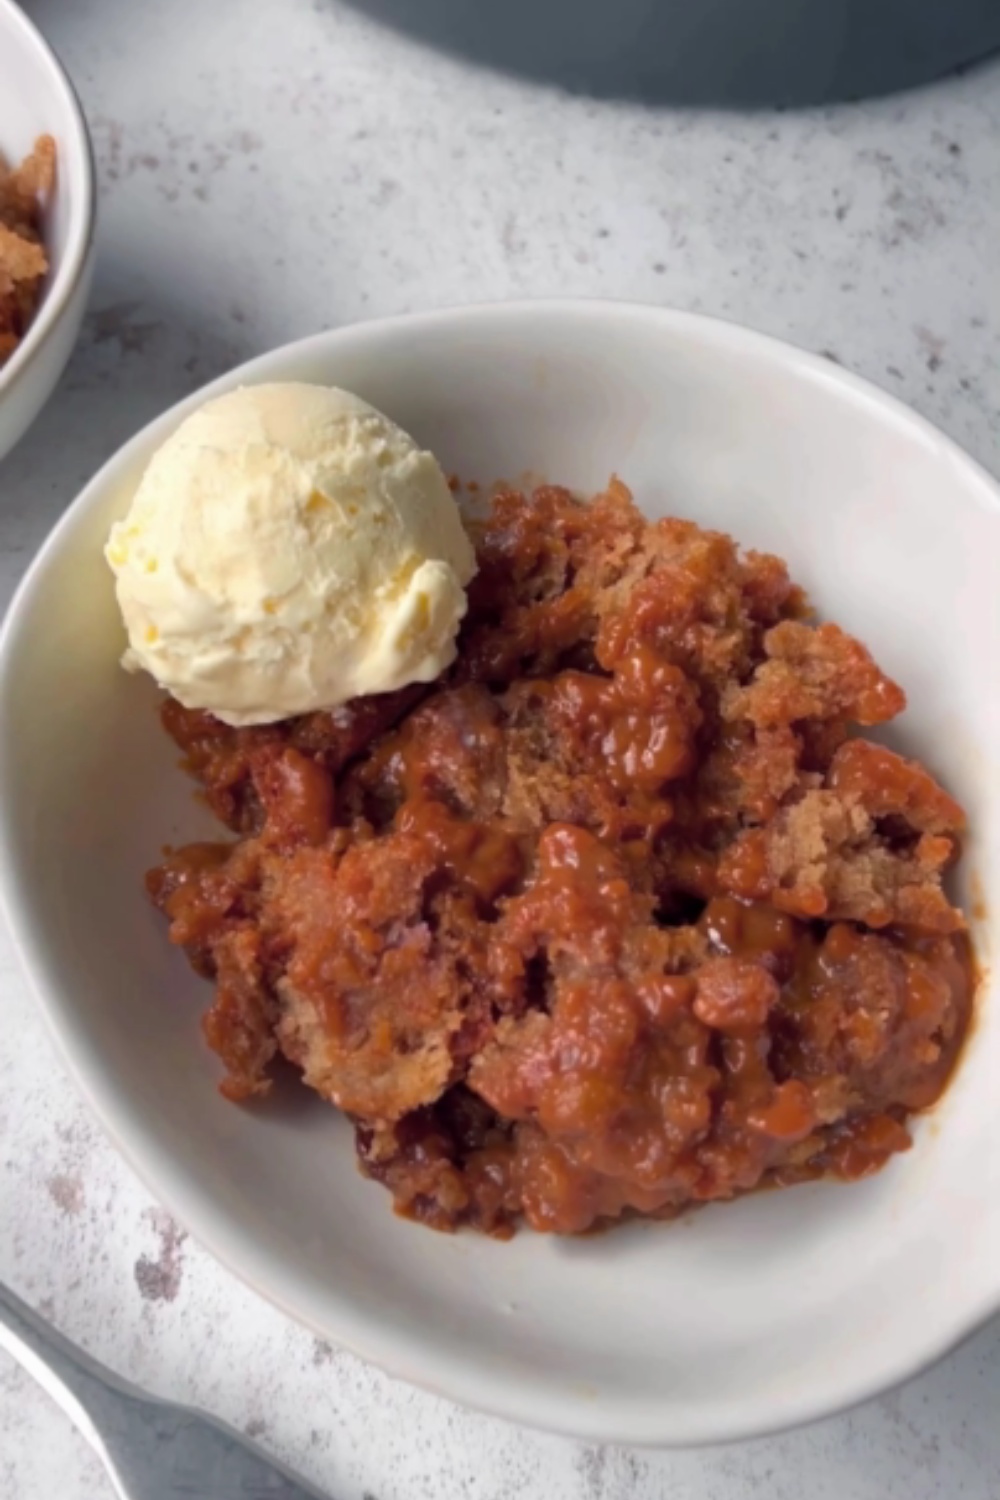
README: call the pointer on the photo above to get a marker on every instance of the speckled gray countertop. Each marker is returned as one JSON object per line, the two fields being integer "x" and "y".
{"x": 274, "y": 168}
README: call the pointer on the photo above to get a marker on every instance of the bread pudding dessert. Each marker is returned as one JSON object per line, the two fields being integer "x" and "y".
{"x": 24, "y": 263}
{"x": 621, "y": 914}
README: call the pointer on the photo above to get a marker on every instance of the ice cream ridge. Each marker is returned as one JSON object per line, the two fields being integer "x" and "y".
{"x": 289, "y": 548}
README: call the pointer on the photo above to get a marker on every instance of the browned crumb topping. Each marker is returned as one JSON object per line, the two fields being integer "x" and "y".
{"x": 23, "y": 261}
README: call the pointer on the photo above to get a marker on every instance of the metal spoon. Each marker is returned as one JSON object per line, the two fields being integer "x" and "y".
{"x": 152, "y": 1449}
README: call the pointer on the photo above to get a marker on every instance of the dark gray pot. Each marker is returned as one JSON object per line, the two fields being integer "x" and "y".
{"x": 738, "y": 52}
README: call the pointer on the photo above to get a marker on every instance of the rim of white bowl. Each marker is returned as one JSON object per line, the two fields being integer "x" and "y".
{"x": 413, "y": 1358}
{"x": 73, "y": 264}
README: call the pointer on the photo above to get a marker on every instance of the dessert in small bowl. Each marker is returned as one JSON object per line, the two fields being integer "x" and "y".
{"x": 607, "y": 906}
{"x": 47, "y": 211}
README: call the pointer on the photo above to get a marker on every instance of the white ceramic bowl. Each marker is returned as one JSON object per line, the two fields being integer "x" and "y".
{"x": 748, "y": 1316}
{"x": 36, "y": 98}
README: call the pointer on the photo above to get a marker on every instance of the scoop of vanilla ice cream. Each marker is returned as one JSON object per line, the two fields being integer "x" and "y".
{"x": 289, "y": 548}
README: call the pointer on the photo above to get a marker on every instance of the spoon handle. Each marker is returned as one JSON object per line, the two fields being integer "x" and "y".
{"x": 152, "y": 1449}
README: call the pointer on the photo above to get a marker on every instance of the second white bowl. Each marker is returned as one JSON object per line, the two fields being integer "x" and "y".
{"x": 37, "y": 98}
